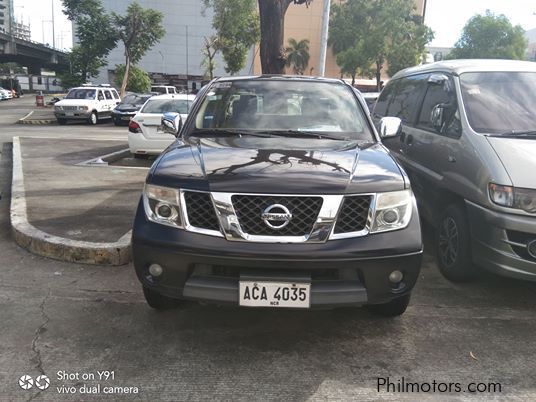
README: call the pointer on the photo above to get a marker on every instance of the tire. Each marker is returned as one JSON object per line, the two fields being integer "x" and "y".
{"x": 393, "y": 308}
{"x": 117, "y": 122}
{"x": 159, "y": 302}
{"x": 62, "y": 122}
{"x": 453, "y": 246}
{"x": 93, "y": 118}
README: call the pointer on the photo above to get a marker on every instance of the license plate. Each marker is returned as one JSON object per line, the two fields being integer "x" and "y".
{"x": 69, "y": 113}
{"x": 274, "y": 294}
{"x": 125, "y": 118}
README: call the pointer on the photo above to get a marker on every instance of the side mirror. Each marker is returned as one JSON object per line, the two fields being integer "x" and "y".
{"x": 390, "y": 127}
{"x": 172, "y": 123}
{"x": 437, "y": 117}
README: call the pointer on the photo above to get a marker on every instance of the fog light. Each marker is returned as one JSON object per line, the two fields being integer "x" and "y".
{"x": 396, "y": 277}
{"x": 165, "y": 211}
{"x": 155, "y": 270}
{"x": 532, "y": 248}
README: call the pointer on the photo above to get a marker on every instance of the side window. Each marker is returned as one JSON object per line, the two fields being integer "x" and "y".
{"x": 380, "y": 110}
{"x": 115, "y": 94}
{"x": 100, "y": 96}
{"x": 441, "y": 94}
{"x": 108, "y": 95}
{"x": 407, "y": 98}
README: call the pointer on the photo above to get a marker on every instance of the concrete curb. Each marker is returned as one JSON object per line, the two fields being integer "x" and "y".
{"x": 59, "y": 248}
{"x": 25, "y": 120}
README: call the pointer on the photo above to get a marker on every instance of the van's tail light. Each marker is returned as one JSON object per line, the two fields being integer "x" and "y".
{"x": 134, "y": 127}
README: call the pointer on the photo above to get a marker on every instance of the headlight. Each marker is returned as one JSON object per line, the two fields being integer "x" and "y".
{"x": 393, "y": 211}
{"x": 519, "y": 198}
{"x": 82, "y": 107}
{"x": 57, "y": 108}
{"x": 162, "y": 205}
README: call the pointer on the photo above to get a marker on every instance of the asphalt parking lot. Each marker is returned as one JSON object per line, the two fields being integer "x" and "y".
{"x": 75, "y": 323}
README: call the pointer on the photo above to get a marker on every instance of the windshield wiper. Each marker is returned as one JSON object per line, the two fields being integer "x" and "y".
{"x": 300, "y": 133}
{"x": 514, "y": 134}
{"x": 228, "y": 132}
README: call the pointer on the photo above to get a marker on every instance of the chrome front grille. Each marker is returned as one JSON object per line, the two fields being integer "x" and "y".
{"x": 306, "y": 218}
{"x": 69, "y": 107}
{"x": 249, "y": 210}
{"x": 200, "y": 210}
{"x": 354, "y": 213}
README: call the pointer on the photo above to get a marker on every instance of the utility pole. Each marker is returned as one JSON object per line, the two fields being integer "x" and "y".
{"x": 187, "y": 77}
{"x": 53, "y": 27}
{"x": 324, "y": 38}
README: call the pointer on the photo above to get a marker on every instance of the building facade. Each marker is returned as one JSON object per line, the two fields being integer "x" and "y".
{"x": 303, "y": 22}
{"x": 6, "y": 15}
{"x": 177, "y": 58}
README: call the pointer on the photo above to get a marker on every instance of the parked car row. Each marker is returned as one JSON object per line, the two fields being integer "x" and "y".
{"x": 6, "y": 94}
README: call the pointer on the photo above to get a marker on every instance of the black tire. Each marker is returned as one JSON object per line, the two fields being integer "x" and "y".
{"x": 453, "y": 246}
{"x": 93, "y": 118}
{"x": 62, "y": 122}
{"x": 141, "y": 156}
{"x": 392, "y": 308}
{"x": 117, "y": 122}
{"x": 159, "y": 302}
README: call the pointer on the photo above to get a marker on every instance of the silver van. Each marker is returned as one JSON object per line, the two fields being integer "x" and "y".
{"x": 465, "y": 131}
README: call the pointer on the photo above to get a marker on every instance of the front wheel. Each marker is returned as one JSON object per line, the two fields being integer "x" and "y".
{"x": 453, "y": 244}
{"x": 93, "y": 118}
{"x": 159, "y": 301}
{"x": 62, "y": 121}
{"x": 392, "y": 308}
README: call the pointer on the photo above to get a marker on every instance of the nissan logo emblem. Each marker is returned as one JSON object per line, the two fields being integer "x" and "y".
{"x": 278, "y": 219}
{"x": 531, "y": 248}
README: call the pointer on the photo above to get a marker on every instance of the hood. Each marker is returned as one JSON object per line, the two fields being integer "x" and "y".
{"x": 277, "y": 165}
{"x": 128, "y": 107}
{"x": 74, "y": 102}
{"x": 518, "y": 155}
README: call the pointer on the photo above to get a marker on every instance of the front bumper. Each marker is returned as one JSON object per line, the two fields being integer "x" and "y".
{"x": 346, "y": 272}
{"x": 499, "y": 241}
{"x": 75, "y": 114}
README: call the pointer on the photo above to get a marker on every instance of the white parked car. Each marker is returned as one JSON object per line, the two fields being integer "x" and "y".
{"x": 164, "y": 89}
{"x": 90, "y": 103}
{"x": 146, "y": 136}
{"x": 5, "y": 94}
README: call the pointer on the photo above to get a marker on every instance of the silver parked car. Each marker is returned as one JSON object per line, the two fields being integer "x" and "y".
{"x": 467, "y": 139}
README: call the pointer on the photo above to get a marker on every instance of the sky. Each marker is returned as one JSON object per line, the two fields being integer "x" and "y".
{"x": 445, "y": 17}
{"x": 448, "y": 17}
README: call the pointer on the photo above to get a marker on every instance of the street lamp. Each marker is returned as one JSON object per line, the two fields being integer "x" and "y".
{"x": 163, "y": 62}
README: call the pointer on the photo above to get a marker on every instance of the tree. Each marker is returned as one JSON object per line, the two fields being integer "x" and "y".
{"x": 139, "y": 30}
{"x": 96, "y": 37}
{"x": 209, "y": 51}
{"x": 297, "y": 55}
{"x": 237, "y": 29}
{"x": 272, "y": 17}
{"x": 490, "y": 36}
{"x": 376, "y": 30}
{"x": 353, "y": 61}
{"x": 138, "y": 80}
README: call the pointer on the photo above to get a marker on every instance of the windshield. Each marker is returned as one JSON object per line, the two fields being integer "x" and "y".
{"x": 500, "y": 102}
{"x": 135, "y": 99}
{"x": 81, "y": 94}
{"x": 282, "y": 106}
{"x": 167, "y": 105}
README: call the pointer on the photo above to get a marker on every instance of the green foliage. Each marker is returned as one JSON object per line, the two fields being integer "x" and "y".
{"x": 96, "y": 38}
{"x": 490, "y": 36}
{"x": 298, "y": 55}
{"x": 366, "y": 32}
{"x": 139, "y": 30}
{"x": 11, "y": 68}
{"x": 138, "y": 79}
{"x": 237, "y": 29}
{"x": 209, "y": 51}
